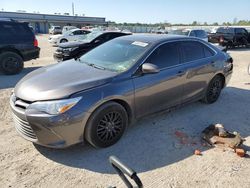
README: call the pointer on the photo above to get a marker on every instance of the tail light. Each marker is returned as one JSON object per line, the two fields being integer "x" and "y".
{"x": 35, "y": 42}
{"x": 221, "y": 39}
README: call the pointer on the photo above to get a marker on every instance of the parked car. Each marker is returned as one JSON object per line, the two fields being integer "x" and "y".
{"x": 18, "y": 44}
{"x": 199, "y": 33}
{"x": 96, "y": 97}
{"x": 55, "y": 30}
{"x": 230, "y": 37}
{"x": 72, "y": 35}
{"x": 68, "y": 28}
{"x": 71, "y": 50}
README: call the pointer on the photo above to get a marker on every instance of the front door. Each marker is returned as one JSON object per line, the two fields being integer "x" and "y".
{"x": 155, "y": 92}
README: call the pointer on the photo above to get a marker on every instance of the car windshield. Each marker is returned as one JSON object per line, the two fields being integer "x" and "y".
{"x": 179, "y": 32}
{"x": 116, "y": 55}
{"x": 91, "y": 36}
{"x": 67, "y": 32}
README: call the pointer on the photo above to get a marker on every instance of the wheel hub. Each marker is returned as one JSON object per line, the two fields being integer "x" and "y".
{"x": 110, "y": 126}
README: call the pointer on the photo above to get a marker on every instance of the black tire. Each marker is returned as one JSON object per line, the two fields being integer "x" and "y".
{"x": 106, "y": 125}
{"x": 63, "y": 40}
{"x": 213, "y": 90}
{"x": 11, "y": 63}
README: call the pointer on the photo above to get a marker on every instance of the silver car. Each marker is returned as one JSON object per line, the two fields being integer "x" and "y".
{"x": 96, "y": 97}
{"x": 199, "y": 33}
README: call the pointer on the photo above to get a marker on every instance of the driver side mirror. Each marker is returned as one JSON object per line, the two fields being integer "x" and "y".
{"x": 148, "y": 68}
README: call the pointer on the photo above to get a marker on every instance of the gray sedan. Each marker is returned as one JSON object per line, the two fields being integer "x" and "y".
{"x": 95, "y": 98}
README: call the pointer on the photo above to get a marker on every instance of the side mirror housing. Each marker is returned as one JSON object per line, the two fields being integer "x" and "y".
{"x": 148, "y": 68}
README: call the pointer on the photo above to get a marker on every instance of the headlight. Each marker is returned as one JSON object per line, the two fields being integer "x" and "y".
{"x": 55, "y": 107}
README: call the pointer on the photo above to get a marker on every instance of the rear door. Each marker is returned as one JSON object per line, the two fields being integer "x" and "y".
{"x": 75, "y": 36}
{"x": 154, "y": 92}
{"x": 198, "y": 62}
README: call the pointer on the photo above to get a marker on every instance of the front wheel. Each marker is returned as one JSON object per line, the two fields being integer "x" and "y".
{"x": 106, "y": 125}
{"x": 213, "y": 90}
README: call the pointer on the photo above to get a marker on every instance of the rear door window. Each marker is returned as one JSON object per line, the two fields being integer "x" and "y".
{"x": 17, "y": 29}
{"x": 192, "y": 51}
{"x": 77, "y": 32}
{"x": 201, "y": 34}
{"x": 165, "y": 56}
{"x": 240, "y": 31}
{"x": 192, "y": 34}
{"x": 208, "y": 52}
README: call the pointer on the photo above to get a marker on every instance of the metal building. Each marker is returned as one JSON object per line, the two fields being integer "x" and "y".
{"x": 42, "y": 22}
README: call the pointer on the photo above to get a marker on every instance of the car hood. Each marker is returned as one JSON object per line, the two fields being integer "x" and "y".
{"x": 60, "y": 81}
{"x": 72, "y": 44}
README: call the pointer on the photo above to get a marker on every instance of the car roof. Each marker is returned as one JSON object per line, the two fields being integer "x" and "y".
{"x": 154, "y": 38}
{"x": 110, "y": 32}
{"x": 77, "y": 29}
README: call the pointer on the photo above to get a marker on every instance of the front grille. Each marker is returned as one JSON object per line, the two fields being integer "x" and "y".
{"x": 59, "y": 50}
{"x": 24, "y": 128}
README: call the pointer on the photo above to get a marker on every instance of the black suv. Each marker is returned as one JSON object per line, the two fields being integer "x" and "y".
{"x": 17, "y": 44}
{"x": 69, "y": 50}
{"x": 230, "y": 37}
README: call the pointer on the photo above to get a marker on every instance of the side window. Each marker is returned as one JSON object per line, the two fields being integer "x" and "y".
{"x": 78, "y": 32}
{"x": 192, "y": 34}
{"x": 192, "y": 50}
{"x": 208, "y": 52}
{"x": 230, "y": 31}
{"x": 200, "y": 33}
{"x": 240, "y": 31}
{"x": 83, "y": 32}
{"x": 166, "y": 55}
{"x": 221, "y": 30}
{"x": 10, "y": 29}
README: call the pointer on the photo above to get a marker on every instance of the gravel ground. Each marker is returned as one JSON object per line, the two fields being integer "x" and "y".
{"x": 150, "y": 146}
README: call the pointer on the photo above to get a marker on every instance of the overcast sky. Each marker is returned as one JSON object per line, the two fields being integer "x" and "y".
{"x": 144, "y": 11}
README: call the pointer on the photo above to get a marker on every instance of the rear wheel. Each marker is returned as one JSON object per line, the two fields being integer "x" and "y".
{"x": 106, "y": 125}
{"x": 213, "y": 90}
{"x": 11, "y": 63}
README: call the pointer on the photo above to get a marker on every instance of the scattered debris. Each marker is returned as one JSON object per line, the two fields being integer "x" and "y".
{"x": 240, "y": 152}
{"x": 216, "y": 134}
{"x": 197, "y": 152}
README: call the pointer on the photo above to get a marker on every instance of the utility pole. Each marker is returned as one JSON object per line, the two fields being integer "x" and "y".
{"x": 73, "y": 9}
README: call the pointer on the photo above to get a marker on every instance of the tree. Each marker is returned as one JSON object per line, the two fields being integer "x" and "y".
{"x": 194, "y": 23}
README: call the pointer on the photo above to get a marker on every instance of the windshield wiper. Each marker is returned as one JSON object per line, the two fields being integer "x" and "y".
{"x": 92, "y": 65}
{"x": 96, "y": 66}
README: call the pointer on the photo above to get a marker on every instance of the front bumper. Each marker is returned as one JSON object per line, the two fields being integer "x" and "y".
{"x": 54, "y": 131}
{"x": 58, "y": 56}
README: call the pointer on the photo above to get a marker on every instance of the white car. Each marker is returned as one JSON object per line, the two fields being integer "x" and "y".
{"x": 72, "y": 35}
{"x": 199, "y": 33}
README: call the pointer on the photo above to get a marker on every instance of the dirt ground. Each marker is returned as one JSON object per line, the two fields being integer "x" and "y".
{"x": 152, "y": 146}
